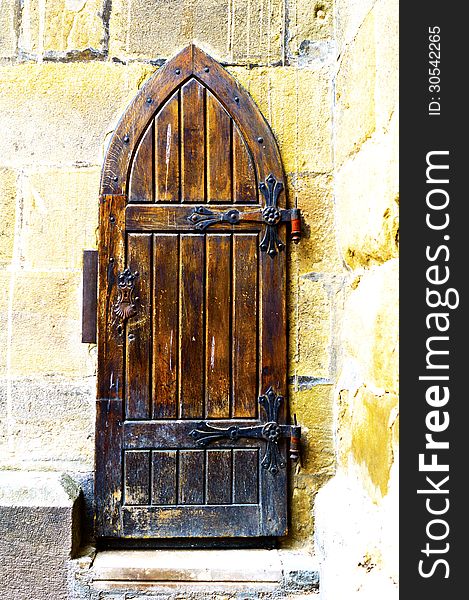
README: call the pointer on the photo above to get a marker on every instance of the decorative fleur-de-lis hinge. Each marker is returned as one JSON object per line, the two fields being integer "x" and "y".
{"x": 271, "y": 243}
{"x": 201, "y": 217}
{"x": 270, "y": 431}
{"x": 126, "y": 305}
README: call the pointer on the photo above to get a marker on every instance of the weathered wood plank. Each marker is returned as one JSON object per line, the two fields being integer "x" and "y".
{"x": 218, "y": 322}
{"x": 191, "y": 326}
{"x": 193, "y": 142}
{"x": 192, "y": 521}
{"x": 245, "y": 476}
{"x": 141, "y": 180}
{"x": 173, "y": 433}
{"x": 219, "y": 179}
{"x": 244, "y": 175}
{"x": 176, "y": 218}
{"x": 138, "y": 330}
{"x": 137, "y": 477}
{"x": 245, "y": 325}
{"x": 164, "y": 477}
{"x": 191, "y": 476}
{"x": 165, "y": 325}
{"x": 167, "y": 186}
{"x": 109, "y": 406}
{"x": 219, "y": 477}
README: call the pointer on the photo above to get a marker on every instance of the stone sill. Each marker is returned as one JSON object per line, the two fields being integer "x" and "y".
{"x": 270, "y": 572}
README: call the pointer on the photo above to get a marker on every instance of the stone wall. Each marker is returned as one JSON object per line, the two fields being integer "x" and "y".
{"x": 323, "y": 74}
{"x": 356, "y": 512}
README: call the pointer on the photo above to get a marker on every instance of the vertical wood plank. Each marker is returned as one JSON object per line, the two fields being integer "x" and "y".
{"x": 191, "y": 326}
{"x": 218, "y": 309}
{"x": 245, "y": 324}
{"x": 165, "y": 325}
{"x": 245, "y": 476}
{"x": 141, "y": 182}
{"x": 137, "y": 477}
{"x": 219, "y": 474}
{"x": 273, "y": 324}
{"x": 244, "y": 177}
{"x": 138, "y": 330}
{"x": 191, "y": 476}
{"x": 193, "y": 142}
{"x": 109, "y": 409}
{"x": 167, "y": 152}
{"x": 164, "y": 477}
{"x": 218, "y": 152}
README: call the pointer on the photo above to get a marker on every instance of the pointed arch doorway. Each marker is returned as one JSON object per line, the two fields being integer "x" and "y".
{"x": 191, "y": 431}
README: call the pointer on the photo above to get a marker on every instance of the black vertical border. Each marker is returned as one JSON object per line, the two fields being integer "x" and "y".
{"x": 420, "y": 134}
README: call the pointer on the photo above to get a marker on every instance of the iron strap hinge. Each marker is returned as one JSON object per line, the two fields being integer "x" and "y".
{"x": 202, "y": 217}
{"x": 270, "y": 431}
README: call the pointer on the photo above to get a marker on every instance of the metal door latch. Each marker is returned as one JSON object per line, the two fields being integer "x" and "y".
{"x": 270, "y": 431}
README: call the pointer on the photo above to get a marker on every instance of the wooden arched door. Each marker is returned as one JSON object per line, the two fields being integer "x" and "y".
{"x": 191, "y": 421}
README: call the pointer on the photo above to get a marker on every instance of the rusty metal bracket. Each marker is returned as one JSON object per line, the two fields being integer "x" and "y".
{"x": 270, "y": 431}
{"x": 90, "y": 297}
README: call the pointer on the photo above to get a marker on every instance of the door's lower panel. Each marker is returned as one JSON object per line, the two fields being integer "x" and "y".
{"x": 192, "y": 521}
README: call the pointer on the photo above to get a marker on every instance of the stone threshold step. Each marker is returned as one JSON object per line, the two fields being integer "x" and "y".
{"x": 271, "y": 567}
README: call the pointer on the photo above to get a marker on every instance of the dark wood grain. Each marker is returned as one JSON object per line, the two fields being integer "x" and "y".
{"x": 219, "y": 177}
{"x": 141, "y": 174}
{"x": 245, "y": 476}
{"x": 244, "y": 173}
{"x": 192, "y": 521}
{"x": 165, "y": 333}
{"x": 137, "y": 477}
{"x": 193, "y": 142}
{"x": 218, "y": 321}
{"x": 191, "y": 476}
{"x": 164, "y": 477}
{"x": 245, "y": 325}
{"x": 171, "y": 433}
{"x": 219, "y": 476}
{"x": 167, "y": 152}
{"x": 138, "y": 330}
{"x": 154, "y": 217}
{"x": 109, "y": 406}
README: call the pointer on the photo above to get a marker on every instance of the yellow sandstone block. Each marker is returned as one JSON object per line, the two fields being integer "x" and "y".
{"x": 233, "y": 31}
{"x": 355, "y": 118}
{"x": 309, "y": 22}
{"x": 371, "y": 327}
{"x": 8, "y": 179}
{"x": 60, "y": 113}
{"x": 314, "y": 410}
{"x": 8, "y": 15}
{"x": 310, "y": 326}
{"x": 372, "y": 437}
{"x": 318, "y": 250}
{"x": 297, "y": 105}
{"x": 61, "y": 26}
{"x": 367, "y": 196}
{"x": 60, "y": 217}
{"x": 47, "y": 324}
